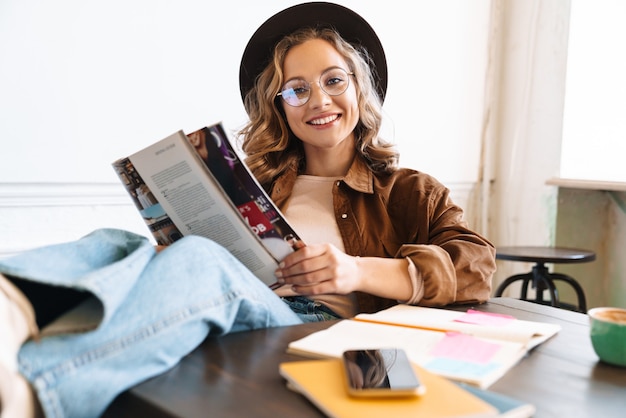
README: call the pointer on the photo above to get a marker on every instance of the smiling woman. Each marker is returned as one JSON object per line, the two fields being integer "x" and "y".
{"x": 382, "y": 235}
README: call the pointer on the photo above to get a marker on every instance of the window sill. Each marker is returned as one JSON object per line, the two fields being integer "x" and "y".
{"x": 616, "y": 186}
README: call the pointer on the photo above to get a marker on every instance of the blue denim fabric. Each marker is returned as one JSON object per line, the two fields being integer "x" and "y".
{"x": 308, "y": 310}
{"x": 157, "y": 308}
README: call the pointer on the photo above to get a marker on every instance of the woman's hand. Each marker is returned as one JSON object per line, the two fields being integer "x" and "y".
{"x": 319, "y": 269}
{"x": 324, "y": 269}
{"x": 159, "y": 248}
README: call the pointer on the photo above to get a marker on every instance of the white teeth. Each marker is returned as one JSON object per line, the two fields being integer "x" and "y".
{"x": 322, "y": 121}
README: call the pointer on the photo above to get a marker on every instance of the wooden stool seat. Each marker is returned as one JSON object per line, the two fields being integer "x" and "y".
{"x": 540, "y": 278}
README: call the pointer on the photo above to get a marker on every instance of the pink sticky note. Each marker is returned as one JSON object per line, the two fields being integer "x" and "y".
{"x": 456, "y": 345}
{"x": 485, "y": 318}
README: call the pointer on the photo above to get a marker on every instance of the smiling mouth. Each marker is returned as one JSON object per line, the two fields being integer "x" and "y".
{"x": 324, "y": 121}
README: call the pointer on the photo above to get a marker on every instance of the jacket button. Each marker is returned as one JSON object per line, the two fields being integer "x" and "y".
{"x": 344, "y": 216}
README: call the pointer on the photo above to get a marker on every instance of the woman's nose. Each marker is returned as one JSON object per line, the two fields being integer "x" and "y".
{"x": 318, "y": 96}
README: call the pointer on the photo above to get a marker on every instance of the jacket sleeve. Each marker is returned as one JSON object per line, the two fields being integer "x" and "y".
{"x": 454, "y": 263}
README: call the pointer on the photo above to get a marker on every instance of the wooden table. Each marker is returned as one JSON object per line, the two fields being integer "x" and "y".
{"x": 237, "y": 375}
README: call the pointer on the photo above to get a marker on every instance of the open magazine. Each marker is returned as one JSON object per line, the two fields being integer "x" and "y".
{"x": 196, "y": 185}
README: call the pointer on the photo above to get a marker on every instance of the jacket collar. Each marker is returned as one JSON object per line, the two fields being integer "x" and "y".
{"x": 359, "y": 177}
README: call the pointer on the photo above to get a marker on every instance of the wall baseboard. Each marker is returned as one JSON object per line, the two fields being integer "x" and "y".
{"x": 37, "y": 214}
{"x": 62, "y": 194}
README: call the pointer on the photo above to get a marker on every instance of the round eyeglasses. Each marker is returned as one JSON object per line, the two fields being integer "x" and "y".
{"x": 334, "y": 81}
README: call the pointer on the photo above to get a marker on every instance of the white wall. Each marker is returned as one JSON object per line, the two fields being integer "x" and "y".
{"x": 83, "y": 83}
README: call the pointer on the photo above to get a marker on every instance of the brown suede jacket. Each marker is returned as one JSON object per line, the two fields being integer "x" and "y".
{"x": 408, "y": 214}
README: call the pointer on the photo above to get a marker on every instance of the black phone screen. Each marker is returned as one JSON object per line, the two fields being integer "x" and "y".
{"x": 380, "y": 370}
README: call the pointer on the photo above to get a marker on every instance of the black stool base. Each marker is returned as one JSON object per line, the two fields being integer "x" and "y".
{"x": 541, "y": 279}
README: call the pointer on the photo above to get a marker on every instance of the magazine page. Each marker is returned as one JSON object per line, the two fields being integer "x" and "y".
{"x": 188, "y": 193}
{"x": 159, "y": 223}
{"x": 239, "y": 184}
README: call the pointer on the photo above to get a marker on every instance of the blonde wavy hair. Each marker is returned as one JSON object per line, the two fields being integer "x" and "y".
{"x": 270, "y": 146}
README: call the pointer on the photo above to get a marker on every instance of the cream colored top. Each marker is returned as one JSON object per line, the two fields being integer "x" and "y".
{"x": 310, "y": 211}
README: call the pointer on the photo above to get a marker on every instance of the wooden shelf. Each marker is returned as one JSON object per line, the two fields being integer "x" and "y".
{"x": 615, "y": 186}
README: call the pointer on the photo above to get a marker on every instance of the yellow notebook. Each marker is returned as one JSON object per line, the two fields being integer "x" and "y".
{"x": 321, "y": 381}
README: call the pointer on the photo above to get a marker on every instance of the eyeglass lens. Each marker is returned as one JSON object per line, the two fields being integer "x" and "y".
{"x": 333, "y": 82}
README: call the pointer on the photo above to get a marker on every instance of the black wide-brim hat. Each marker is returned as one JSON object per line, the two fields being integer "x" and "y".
{"x": 351, "y": 26}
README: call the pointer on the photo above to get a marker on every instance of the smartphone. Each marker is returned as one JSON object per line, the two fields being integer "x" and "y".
{"x": 380, "y": 372}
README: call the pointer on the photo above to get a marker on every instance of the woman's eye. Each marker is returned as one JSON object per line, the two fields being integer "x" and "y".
{"x": 300, "y": 90}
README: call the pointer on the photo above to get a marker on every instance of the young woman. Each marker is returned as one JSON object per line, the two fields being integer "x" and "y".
{"x": 376, "y": 235}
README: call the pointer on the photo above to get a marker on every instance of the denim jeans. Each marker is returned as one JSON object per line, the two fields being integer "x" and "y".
{"x": 156, "y": 309}
{"x": 308, "y": 310}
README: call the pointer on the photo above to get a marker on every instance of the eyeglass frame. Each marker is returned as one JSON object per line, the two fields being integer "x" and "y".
{"x": 310, "y": 83}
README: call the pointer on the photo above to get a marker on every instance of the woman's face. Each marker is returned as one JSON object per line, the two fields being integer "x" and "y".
{"x": 324, "y": 122}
